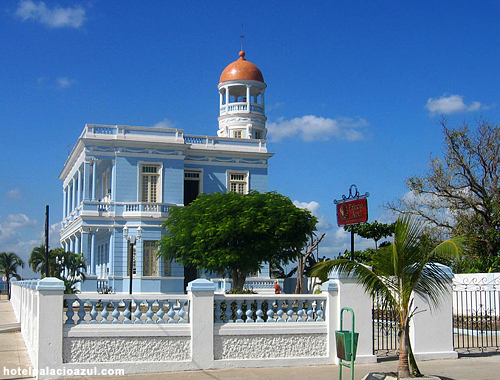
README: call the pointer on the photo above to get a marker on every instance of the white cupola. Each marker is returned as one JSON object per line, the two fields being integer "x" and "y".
{"x": 241, "y": 92}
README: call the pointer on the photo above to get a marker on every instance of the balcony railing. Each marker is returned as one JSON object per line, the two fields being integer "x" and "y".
{"x": 147, "y": 207}
{"x": 241, "y": 107}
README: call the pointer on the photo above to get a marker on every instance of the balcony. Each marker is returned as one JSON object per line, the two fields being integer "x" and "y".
{"x": 117, "y": 209}
{"x": 239, "y": 107}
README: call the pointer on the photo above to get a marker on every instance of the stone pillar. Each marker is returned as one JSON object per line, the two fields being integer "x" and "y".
{"x": 351, "y": 294}
{"x": 78, "y": 245}
{"x": 202, "y": 322}
{"x": 49, "y": 327}
{"x": 65, "y": 202}
{"x": 68, "y": 206}
{"x": 112, "y": 252}
{"x": 221, "y": 99}
{"x": 79, "y": 199}
{"x": 112, "y": 181}
{"x": 248, "y": 98}
{"x": 86, "y": 181}
{"x": 92, "y": 253}
{"x": 228, "y": 99}
{"x": 73, "y": 196}
{"x": 431, "y": 328}
{"x": 85, "y": 249}
{"x": 94, "y": 180}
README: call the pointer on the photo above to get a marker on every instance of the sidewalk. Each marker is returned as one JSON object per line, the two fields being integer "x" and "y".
{"x": 13, "y": 352}
{"x": 13, "y": 355}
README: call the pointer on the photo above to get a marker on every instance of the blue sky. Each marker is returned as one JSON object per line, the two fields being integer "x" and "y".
{"x": 355, "y": 91}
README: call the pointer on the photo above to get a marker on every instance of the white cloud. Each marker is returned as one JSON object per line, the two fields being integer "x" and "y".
{"x": 165, "y": 123}
{"x": 312, "y": 128}
{"x": 56, "y": 17}
{"x": 20, "y": 234}
{"x": 15, "y": 193}
{"x": 446, "y": 105}
{"x": 323, "y": 223}
{"x": 64, "y": 82}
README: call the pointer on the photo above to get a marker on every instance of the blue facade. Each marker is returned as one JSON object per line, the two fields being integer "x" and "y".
{"x": 120, "y": 182}
{"x": 106, "y": 185}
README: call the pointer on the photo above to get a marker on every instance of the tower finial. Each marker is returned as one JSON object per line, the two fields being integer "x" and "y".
{"x": 242, "y": 36}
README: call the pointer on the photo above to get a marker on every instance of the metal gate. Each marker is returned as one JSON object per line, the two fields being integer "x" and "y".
{"x": 476, "y": 315}
{"x": 385, "y": 329}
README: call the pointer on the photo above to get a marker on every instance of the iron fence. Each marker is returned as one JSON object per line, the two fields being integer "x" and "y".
{"x": 385, "y": 329}
{"x": 476, "y": 316}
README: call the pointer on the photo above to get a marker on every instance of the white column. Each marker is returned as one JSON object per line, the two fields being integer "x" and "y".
{"x": 431, "y": 329}
{"x": 112, "y": 253}
{"x": 65, "y": 202}
{"x": 221, "y": 99}
{"x": 112, "y": 181}
{"x": 86, "y": 181}
{"x": 79, "y": 187}
{"x": 94, "y": 181}
{"x": 248, "y": 98}
{"x": 92, "y": 253}
{"x": 228, "y": 98}
{"x": 85, "y": 249}
{"x": 78, "y": 244}
{"x": 73, "y": 200}
{"x": 66, "y": 246}
{"x": 202, "y": 323}
{"x": 68, "y": 198}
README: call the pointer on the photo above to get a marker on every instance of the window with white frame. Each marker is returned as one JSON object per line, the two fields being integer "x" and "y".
{"x": 258, "y": 135}
{"x": 150, "y": 259}
{"x": 238, "y": 134}
{"x": 149, "y": 183}
{"x": 238, "y": 183}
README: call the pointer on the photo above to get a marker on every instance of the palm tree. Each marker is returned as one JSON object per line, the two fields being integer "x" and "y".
{"x": 67, "y": 266}
{"x": 37, "y": 261}
{"x": 398, "y": 270}
{"x": 8, "y": 267}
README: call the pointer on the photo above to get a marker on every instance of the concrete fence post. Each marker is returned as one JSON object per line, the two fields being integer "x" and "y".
{"x": 49, "y": 324}
{"x": 351, "y": 294}
{"x": 431, "y": 329}
{"x": 331, "y": 318}
{"x": 202, "y": 322}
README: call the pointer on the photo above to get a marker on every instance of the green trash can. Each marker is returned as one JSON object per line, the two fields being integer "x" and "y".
{"x": 343, "y": 339}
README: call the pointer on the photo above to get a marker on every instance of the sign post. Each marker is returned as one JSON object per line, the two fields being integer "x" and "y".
{"x": 352, "y": 209}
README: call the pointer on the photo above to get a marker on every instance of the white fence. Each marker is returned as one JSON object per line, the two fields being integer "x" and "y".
{"x": 201, "y": 330}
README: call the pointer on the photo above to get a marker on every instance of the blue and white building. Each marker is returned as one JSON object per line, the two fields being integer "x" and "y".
{"x": 119, "y": 183}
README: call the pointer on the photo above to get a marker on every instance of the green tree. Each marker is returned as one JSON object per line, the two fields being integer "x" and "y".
{"x": 235, "y": 233}
{"x": 398, "y": 270}
{"x": 9, "y": 262}
{"x": 460, "y": 193}
{"x": 375, "y": 230}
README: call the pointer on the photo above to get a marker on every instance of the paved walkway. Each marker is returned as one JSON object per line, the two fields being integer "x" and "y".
{"x": 13, "y": 355}
{"x": 13, "y": 352}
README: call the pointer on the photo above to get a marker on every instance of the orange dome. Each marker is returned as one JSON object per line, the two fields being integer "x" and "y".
{"x": 241, "y": 69}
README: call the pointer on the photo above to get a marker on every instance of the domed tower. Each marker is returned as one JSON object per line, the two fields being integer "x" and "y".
{"x": 241, "y": 91}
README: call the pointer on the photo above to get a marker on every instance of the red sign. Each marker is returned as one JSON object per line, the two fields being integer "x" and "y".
{"x": 352, "y": 212}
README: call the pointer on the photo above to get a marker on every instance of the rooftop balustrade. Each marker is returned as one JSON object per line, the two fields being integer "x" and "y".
{"x": 170, "y": 135}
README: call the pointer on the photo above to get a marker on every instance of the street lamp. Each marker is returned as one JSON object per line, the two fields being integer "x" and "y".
{"x": 130, "y": 246}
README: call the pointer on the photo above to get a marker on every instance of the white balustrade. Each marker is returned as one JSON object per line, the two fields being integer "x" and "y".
{"x": 122, "y": 310}
{"x": 279, "y": 308}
